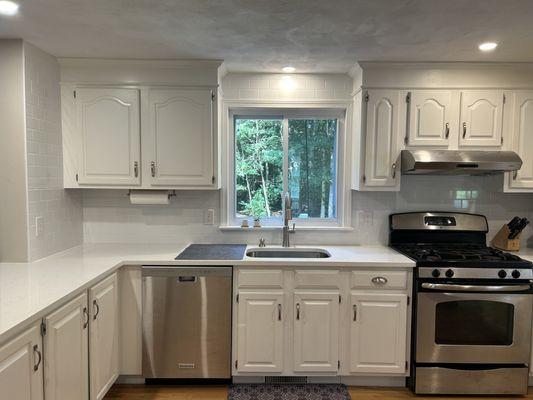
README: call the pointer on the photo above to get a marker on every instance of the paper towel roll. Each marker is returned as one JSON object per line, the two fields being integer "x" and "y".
{"x": 149, "y": 197}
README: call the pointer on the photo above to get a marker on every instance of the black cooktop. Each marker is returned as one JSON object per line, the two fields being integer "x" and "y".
{"x": 460, "y": 255}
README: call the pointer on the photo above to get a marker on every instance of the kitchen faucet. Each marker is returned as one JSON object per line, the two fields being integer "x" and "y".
{"x": 287, "y": 216}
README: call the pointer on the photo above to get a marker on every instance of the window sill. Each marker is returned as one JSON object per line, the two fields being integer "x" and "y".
{"x": 278, "y": 228}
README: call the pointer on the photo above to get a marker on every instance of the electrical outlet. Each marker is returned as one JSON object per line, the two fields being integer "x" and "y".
{"x": 365, "y": 218}
{"x": 39, "y": 226}
{"x": 209, "y": 217}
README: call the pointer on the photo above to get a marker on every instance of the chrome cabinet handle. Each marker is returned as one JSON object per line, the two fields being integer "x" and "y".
{"x": 95, "y": 305}
{"x": 393, "y": 170}
{"x": 152, "y": 168}
{"x": 464, "y": 130}
{"x": 515, "y": 175}
{"x": 136, "y": 169}
{"x": 447, "y": 130}
{"x": 38, "y": 352}
{"x": 297, "y": 311}
{"x": 355, "y": 312}
{"x": 86, "y": 314}
{"x": 279, "y": 312}
{"x": 379, "y": 280}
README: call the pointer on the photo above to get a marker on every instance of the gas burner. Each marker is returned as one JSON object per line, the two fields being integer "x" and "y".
{"x": 457, "y": 252}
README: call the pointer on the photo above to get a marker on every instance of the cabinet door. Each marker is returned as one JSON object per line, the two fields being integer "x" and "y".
{"x": 316, "y": 332}
{"x": 103, "y": 337}
{"x": 378, "y": 332}
{"x": 260, "y": 332}
{"x": 109, "y": 125}
{"x": 179, "y": 139}
{"x": 382, "y": 132}
{"x": 21, "y": 372}
{"x": 431, "y": 118}
{"x": 481, "y": 118}
{"x": 523, "y": 139}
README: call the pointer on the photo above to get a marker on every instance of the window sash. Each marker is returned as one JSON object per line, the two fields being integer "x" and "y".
{"x": 285, "y": 116}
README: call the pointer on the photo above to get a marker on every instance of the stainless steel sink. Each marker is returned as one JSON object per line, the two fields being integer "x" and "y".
{"x": 288, "y": 253}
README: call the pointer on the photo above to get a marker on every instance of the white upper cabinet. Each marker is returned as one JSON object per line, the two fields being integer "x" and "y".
{"x": 178, "y": 138}
{"x": 432, "y": 119}
{"x": 378, "y": 333}
{"x": 66, "y": 352}
{"x": 21, "y": 367}
{"x": 316, "y": 331}
{"x": 108, "y": 126}
{"x": 481, "y": 118}
{"x": 260, "y": 332}
{"x": 522, "y": 140}
{"x": 382, "y": 135}
{"x": 103, "y": 339}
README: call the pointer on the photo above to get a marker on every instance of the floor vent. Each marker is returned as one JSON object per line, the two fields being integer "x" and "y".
{"x": 285, "y": 379}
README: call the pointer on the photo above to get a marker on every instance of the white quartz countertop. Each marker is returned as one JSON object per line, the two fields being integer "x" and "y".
{"x": 29, "y": 291}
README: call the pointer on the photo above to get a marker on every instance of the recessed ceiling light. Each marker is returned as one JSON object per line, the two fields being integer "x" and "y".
{"x": 8, "y": 7}
{"x": 288, "y": 69}
{"x": 488, "y": 46}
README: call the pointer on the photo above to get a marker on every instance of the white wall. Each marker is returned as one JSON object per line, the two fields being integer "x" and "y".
{"x": 60, "y": 208}
{"x": 13, "y": 204}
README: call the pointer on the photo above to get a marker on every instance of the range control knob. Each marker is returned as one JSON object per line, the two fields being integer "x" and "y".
{"x": 516, "y": 274}
{"x": 449, "y": 273}
{"x": 502, "y": 274}
{"x": 435, "y": 273}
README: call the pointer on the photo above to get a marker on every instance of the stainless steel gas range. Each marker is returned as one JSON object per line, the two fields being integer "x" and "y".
{"x": 472, "y": 306}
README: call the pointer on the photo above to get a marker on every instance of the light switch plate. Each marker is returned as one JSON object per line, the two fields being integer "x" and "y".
{"x": 209, "y": 217}
{"x": 365, "y": 218}
{"x": 39, "y": 226}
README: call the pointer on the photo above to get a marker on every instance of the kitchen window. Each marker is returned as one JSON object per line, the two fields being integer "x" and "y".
{"x": 294, "y": 151}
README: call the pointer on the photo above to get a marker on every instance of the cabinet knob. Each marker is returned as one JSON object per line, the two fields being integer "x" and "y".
{"x": 447, "y": 130}
{"x": 393, "y": 170}
{"x": 464, "y": 130}
{"x": 379, "y": 280}
{"x": 279, "y": 312}
{"x": 136, "y": 169}
{"x": 355, "y": 312}
{"x": 152, "y": 168}
{"x": 297, "y": 311}
{"x": 86, "y": 315}
{"x": 39, "y": 355}
{"x": 97, "y": 308}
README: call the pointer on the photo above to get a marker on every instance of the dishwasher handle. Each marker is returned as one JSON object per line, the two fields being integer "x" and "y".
{"x": 185, "y": 273}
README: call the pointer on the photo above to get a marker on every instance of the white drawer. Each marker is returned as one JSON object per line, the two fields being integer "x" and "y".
{"x": 262, "y": 278}
{"x": 379, "y": 280}
{"x": 316, "y": 279}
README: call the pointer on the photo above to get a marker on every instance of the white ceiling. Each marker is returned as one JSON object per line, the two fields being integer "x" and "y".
{"x": 263, "y": 35}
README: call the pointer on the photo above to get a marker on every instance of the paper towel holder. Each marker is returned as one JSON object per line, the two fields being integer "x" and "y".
{"x": 162, "y": 197}
{"x": 171, "y": 193}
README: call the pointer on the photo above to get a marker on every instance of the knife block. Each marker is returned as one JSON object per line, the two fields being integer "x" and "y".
{"x": 501, "y": 240}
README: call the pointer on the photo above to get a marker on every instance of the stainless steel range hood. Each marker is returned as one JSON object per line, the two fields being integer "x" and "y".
{"x": 458, "y": 162}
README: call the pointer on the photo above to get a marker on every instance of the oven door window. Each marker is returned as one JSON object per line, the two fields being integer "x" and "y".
{"x": 474, "y": 322}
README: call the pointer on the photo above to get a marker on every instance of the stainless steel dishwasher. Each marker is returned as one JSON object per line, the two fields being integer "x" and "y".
{"x": 186, "y": 322}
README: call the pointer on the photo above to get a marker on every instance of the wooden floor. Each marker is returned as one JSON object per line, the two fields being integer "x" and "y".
{"x": 141, "y": 392}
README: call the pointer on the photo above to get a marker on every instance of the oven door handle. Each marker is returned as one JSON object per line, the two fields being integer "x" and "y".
{"x": 475, "y": 288}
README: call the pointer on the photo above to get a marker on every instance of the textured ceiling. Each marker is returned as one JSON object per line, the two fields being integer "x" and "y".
{"x": 263, "y": 35}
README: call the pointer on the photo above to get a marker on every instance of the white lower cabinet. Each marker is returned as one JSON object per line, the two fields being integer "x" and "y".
{"x": 378, "y": 333}
{"x": 260, "y": 332}
{"x": 103, "y": 337}
{"x": 337, "y": 322}
{"x": 21, "y": 367}
{"x": 66, "y": 355}
{"x": 316, "y": 331}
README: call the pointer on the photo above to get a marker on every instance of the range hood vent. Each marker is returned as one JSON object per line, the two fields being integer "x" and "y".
{"x": 458, "y": 162}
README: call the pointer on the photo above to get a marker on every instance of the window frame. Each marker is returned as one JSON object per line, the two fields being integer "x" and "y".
{"x": 230, "y": 220}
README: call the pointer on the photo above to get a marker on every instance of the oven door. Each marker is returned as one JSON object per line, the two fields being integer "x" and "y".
{"x": 492, "y": 325}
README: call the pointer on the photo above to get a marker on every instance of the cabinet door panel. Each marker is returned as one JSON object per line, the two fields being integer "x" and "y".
{"x": 378, "y": 333}
{"x": 523, "y": 139}
{"x": 180, "y": 138}
{"x": 103, "y": 340}
{"x": 481, "y": 118}
{"x": 430, "y": 118}
{"x": 381, "y": 138}
{"x": 109, "y": 124}
{"x": 18, "y": 378}
{"x": 66, "y": 352}
{"x": 316, "y": 332}
{"x": 260, "y": 332}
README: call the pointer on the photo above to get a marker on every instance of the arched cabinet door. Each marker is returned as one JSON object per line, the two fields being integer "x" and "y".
{"x": 432, "y": 121}
{"x": 481, "y": 118}
{"x": 381, "y": 152}
{"x": 179, "y": 146}
{"x": 522, "y": 140}
{"x": 108, "y": 126}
